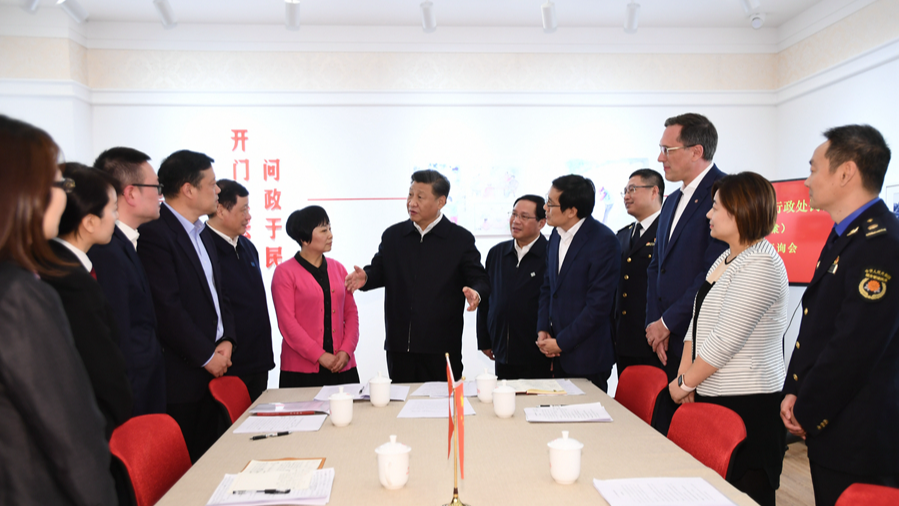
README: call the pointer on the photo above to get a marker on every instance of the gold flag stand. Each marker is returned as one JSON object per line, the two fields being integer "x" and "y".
{"x": 456, "y": 501}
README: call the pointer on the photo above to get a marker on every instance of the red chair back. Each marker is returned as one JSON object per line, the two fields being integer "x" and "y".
{"x": 862, "y": 494}
{"x": 153, "y": 452}
{"x": 232, "y": 393}
{"x": 709, "y": 432}
{"x": 639, "y": 388}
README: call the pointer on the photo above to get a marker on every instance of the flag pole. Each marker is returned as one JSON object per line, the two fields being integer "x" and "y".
{"x": 456, "y": 501}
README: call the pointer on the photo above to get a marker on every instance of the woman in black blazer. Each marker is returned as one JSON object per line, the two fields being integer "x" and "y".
{"x": 52, "y": 450}
{"x": 89, "y": 219}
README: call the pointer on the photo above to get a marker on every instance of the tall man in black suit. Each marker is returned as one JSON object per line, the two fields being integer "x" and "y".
{"x": 643, "y": 200}
{"x": 842, "y": 385}
{"x": 242, "y": 280}
{"x": 583, "y": 259}
{"x": 123, "y": 280}
{"x": 507, "y": 319}
{"x": 194, "y": 319}
{"x": 684, "y": 249}
{"x": 429, "y": 267}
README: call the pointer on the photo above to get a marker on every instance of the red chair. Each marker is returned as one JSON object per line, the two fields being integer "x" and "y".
{"x": 152, "y": 450}
{"x": 639, "y": 388}
{"x": 231, "y": 393}
{"x": 709, "y": 432}
{"x": 863, "y": 494}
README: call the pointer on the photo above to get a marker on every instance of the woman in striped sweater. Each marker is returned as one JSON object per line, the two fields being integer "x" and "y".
{"x": 733, "y": 351}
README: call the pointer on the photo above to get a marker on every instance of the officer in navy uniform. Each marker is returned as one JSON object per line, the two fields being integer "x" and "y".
{"x": 842, "y": 385}
{"x": 643, "y": 200}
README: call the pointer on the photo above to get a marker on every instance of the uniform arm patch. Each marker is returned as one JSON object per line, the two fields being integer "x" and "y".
{"x": 873, "y": 285}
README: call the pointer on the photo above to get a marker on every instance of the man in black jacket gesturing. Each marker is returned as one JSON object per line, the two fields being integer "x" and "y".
{"x": 429, "y": 267}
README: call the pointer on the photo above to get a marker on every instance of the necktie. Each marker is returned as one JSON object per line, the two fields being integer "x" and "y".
{"x": 636, "y": 235}
{"x": 831, "y": 239}
{"x": 93, "y": 273}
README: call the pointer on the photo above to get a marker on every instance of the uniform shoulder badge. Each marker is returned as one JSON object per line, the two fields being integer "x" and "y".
{"x": 873, "y": 285}
{"x": 873, "y": 228}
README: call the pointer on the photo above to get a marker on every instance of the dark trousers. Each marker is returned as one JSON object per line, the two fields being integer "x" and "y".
{"x": 321, "y": 378}
{"x": 509, "y": 371}
{"x": 201, "y": 422}
{"x": 406, "y": 367}
{"x": 665, "y": 408}
{"x": 256, "y": 383}
{"x": 829, "y": 484}
{"x": 624, "y": 362}
{"x": 598, "y": 379}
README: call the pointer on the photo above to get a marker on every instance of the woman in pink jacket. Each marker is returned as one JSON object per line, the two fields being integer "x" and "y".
{"x": 316, "y": 315}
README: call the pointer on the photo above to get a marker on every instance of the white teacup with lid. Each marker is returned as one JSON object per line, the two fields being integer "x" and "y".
{"x": 486, "y": 385}
{"x": 379, "y": 391}
{"x": 341, "y": 408}
{"x": 393, "y": 464}
{"x": 504, "y": 401}
{"x": 565, "y": 459}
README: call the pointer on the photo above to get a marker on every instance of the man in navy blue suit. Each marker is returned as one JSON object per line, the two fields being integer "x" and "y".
{"x": 195, "y": 323}
{"x": 583, "y": 260}
{"x": 242, "y": 280}
{"x": 121, "y": 275}
{"x": 684, "y": 249}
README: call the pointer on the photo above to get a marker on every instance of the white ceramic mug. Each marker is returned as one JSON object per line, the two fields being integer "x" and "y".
{"x": 504, "y": 401}
{"x": 379, "y": 391}
{"x": 393, "y": 464}
{"x": 565, "y": 459}
{"x": 486, "y": 385}
{"x": 341, "y": 408}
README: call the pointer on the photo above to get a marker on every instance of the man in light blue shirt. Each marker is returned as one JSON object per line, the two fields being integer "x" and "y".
{"x": 195, "y": 323}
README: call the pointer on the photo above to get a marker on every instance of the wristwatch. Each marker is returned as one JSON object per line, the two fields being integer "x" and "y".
{"x": 683, "y": 385}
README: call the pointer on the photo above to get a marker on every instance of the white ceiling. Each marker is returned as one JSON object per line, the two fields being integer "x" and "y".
{"x": 450, "y": 13}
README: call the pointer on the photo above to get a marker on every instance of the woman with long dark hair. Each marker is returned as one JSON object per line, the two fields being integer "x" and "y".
{"x": 52, "y": 450}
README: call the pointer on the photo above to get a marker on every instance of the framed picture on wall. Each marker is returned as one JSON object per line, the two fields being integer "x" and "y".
{"x": 892, "y": 198}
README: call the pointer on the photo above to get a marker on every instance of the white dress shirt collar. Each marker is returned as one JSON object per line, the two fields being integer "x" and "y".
{"x": 565, "y": 238}
{"x": 82, "y": 256}
{"x": 523, "y": 250}
{"x": 685, "y": 188}
{"x": 129, "y": 232}
{"x": 232, "y": 242}
{"x": 647, "y": 222}
{"x": 429, "y": 227}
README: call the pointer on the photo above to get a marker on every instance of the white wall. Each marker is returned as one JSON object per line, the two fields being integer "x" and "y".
{"x": 66, "y": 119}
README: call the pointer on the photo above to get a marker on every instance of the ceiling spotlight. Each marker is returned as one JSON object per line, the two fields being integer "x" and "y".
{"x": 292, "y": 11}
{"x": 428, "y": 18}
{"x": 757, "y": 20}
{"x": 749, "y": 6}
{"x": 30, "y": 6}
{"x": 549, "y": 17}
{"x": 74, "y": 10}
{"x": 166, "y": 14}
{"x": 633, "y": 16}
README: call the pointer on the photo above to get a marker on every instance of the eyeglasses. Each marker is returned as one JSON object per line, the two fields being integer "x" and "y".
{"x": 667, "y": 151}
{"x": 157, "y": 186}
{"x": 523, "y": 217}
{"x": 632, "y": 189}
{"x": 65, "y": 184}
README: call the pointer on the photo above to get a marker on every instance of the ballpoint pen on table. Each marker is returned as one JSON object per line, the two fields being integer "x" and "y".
{"x": 266, "y": 436}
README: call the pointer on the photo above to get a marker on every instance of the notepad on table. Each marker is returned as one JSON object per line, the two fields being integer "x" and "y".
{"x": 591, "y": 412}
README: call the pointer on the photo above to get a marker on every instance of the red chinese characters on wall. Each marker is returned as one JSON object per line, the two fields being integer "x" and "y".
{"x": 271, "y": 174}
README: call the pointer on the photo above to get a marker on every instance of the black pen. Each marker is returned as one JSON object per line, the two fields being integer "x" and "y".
{"x": 266, "y": 436}
{"x": 266, "y": 491}
{"x": 550, "y": 406}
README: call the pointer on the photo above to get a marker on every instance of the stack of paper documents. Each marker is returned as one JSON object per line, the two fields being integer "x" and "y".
{"x": 431, "y": 408}
{"x": 354, "y": 389}
{"x": 397, "y": 392}
{"x": 593, "y": 412}
{"x": 660, "y": 492}
{"x": 439, "y": 389}
{"x": 258, "y": 424}
{"x": 316, "y": 492}
{"x": 537, "y": 387}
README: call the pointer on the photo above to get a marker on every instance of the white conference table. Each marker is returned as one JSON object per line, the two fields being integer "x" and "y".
{"x": 506, "y": 460}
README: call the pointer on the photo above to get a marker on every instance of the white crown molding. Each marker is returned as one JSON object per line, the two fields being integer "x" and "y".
{"x": 42, "y": 88}
{"x": 815, "y": 19}
{"x": 858, "y": 64}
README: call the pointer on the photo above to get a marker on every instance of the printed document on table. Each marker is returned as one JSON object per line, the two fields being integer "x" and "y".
{"x": 260, "y": 424}
{"x": 354, "y": 389}
{"x": 593, "y": 412}
{"x": 431, "y": 408}
{"x": 536, "y": 387}
{"x": 660, "y": 492}
{"x": 292, "y": 474}
{"x": 289, "y": 408}
{"x": 318, "y": 493}
{"x": 397, "y": 392}
{"x": 439, "y": 389}
{"x": 570, "y": 387}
